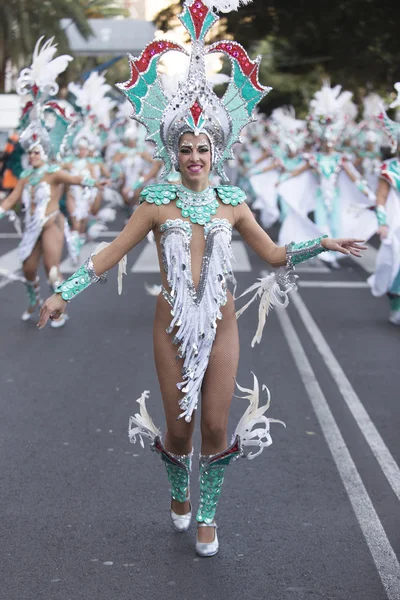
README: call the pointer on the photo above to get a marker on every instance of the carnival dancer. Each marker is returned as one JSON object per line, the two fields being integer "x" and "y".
{"x": 290, "y": 135}
{"x": 40, "y": 186}
{"x": 386, "y": 279}
{"x": 336, "y": 194}
{"x": 192, "y": 223}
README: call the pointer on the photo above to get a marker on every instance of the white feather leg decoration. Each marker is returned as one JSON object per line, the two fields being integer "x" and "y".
{"x": 253, "y": 428}
{"x": 142, "y": 424}
{"x": 121, "y": 265}
{"x": 273, "y": 291}
{"x": 226, "y": 6}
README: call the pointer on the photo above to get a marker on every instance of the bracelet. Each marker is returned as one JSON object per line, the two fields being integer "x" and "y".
{"x": 79, "y": 281}
{"x": 2, "y": 212}
{"x": 88, "y": 181}
{"x": 298, "y": 253}
{"x": 381, "y": 215}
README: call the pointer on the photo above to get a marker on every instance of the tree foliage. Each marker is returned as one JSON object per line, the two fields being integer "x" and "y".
{"x": 355, "y": 43}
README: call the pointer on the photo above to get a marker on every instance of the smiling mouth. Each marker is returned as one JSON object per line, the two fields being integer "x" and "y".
{"x": 195, "y": 168}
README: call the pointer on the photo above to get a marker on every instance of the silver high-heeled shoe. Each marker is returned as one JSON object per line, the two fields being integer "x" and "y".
{"x": 210, "y": 549}
{"x": 182, "y": 522}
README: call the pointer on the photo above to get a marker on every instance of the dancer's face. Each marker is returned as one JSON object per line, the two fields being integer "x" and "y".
{"x": 83, "y": 151}
{"x": 35, "y": 157}
{"x": 194, "y": 160}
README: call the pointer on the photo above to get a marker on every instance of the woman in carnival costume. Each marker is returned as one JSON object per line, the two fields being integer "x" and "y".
{"x": 290, "y": 134}
{"x": 39, "y": 186}
{"x": 386, "y": 279}
{"x": 192, "y": 223}
{"x": 327, "y": 184}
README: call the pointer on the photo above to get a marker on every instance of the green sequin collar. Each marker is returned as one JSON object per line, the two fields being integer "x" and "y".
{"x": 35, "y": 175}
{"x": 199, "y": 207}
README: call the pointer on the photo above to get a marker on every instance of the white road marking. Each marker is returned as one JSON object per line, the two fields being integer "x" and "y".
{"x": 368, "y": 259}
{"x": 148, "y": 259}
{"x": 9, "y": 236}
{"x": 381, "y": 550}
{"x": 9, "y": 262}
{"x": 354, "y": 285}
{"x": 362, "y": 418}
{"x": 67, "y": 265}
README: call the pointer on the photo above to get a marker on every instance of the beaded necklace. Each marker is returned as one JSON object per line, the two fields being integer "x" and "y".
{"x": 197, "y": 206}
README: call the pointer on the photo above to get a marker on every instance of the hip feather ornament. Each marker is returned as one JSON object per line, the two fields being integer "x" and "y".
{"x": 273, "y": 291}
{"x": 226, "y": 6}
{"x": 253, "y": 428}
{"x": 142, "y": 424}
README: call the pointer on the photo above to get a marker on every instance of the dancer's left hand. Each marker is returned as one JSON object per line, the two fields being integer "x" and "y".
{"x": 344, "y": 246}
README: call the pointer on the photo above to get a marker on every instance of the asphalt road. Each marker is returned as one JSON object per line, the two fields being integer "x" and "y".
{"x": 85, "y": 514}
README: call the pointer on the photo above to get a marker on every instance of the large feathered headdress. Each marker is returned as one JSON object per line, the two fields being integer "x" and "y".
{"x": 195, "y": 107}
{"x": 39, "y": 83}
{"x": 330, "y": 111}
{"x": 391, "y": 128}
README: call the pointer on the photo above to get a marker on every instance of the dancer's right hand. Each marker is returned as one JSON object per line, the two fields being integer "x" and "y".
{"x": 51, "y": 309}
{"x": 383, "y": 232}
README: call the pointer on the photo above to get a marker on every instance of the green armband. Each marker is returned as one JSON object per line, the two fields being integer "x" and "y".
{"x": 88, "y": 182}
{"x": 298, "y": 253}
{"x": 2, "y": 213}
{"x": 79, "y": 281}
{"x": 381, "y": 215}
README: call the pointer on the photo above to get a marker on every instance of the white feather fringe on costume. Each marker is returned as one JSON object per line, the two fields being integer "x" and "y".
{"x": 273, "y": 291}
{"x": 254, "y": 427}
{"x": 225, "y": 6}
{"x": 142, "y": 424}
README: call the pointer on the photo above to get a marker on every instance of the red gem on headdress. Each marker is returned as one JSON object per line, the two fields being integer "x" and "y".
{"x": 196, "y": 111}
{"x": 35, "y": 89}
{"x": 34, "y": 137}
{"x": 198, "y": 12}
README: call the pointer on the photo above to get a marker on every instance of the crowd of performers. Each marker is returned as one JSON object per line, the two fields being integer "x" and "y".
{"x": 86, "y": 159}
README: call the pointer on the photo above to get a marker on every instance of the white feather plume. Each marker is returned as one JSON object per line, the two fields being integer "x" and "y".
{"x": 121, "y": 265}
{"x": 142, "y": 424}
{"x": 330, "y": 102}
{"x": 225, "y": 6}
{"x": 254, "y": 427}
{"x": 107, "y": 214}
{"x": 372, "y": 106}
{"x": 396, "y": 102}
{"x": 272, "y": 294}
{"x": 90, "y": 92}
{"x": 44, "y": 69}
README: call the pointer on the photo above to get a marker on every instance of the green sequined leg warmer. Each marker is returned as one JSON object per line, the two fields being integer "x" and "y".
{"x": 212, "y": 473}
{"x": 298, "y": 253}
{"x": 33, "y": 291}
{"x": 79, "y": 281}
{"x": 178, "y": 470}
{"x": 395, "y": 303}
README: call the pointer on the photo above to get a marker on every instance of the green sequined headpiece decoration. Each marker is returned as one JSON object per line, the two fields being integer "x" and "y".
{"x": 195, "y": 108}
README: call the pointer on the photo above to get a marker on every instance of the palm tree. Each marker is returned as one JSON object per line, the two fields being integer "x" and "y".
{"x": 22, "y": 22}
{"x": 104, "y": 9}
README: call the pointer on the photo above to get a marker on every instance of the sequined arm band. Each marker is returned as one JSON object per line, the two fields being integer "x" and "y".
{"x": 381, "y": 215}
{"x": 88, "y": 181}
{"x": 79, "y": 281}
{"x": 298, "y": 253}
